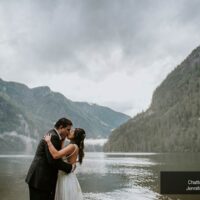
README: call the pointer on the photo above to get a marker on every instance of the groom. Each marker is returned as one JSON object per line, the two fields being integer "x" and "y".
{"x": 42, "y": 174}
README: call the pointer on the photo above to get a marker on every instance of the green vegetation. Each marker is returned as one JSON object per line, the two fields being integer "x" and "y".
{"x": 172, "y": 122}
{"x": 29, "y": 113}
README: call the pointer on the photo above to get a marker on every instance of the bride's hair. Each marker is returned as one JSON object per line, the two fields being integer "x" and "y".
{"x": 79, "y": 136}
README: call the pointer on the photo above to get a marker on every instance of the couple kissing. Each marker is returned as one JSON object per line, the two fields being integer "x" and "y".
{"x": 51, "y": 174}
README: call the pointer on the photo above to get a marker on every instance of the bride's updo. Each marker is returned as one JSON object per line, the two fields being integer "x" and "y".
{"x": 79, "y": 136}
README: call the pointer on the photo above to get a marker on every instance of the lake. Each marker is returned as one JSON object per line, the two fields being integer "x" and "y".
{"x": 106, "y": 176}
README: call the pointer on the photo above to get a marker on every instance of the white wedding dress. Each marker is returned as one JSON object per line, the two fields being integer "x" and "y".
{"x": 68, "y": 187}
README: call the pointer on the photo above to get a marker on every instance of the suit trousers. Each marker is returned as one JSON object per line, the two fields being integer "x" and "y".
{"x": 36, "y": 194}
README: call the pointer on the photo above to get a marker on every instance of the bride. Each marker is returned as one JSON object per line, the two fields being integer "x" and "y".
{"x": 68, "y": 187}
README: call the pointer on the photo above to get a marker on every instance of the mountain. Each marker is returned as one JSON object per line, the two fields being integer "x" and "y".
{"x": 172, "y": 122}
{"x": 26, "y": 114}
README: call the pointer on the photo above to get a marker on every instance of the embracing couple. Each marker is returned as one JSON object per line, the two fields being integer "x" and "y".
{"x": 43, "y": 178}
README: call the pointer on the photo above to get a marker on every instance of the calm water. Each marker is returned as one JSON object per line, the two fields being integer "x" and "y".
{"x": 129, "y": 176}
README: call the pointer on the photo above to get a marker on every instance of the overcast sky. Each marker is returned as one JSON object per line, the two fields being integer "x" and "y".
{"x": 110, "y": 52}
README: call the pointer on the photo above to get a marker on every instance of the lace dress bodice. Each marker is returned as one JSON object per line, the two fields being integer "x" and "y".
{"x": 67, "y": 158}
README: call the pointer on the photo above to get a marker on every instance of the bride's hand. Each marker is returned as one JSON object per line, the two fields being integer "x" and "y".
{"x": 47, "y": 137}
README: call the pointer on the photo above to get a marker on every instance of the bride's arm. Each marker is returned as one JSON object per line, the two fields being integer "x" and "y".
{"x": 54, "y": 152}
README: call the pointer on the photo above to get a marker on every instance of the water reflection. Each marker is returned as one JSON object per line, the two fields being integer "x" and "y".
{"x": 106, "y": 176}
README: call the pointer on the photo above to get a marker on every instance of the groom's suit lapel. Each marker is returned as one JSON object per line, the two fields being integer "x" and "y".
{"x": 57, "y": 134}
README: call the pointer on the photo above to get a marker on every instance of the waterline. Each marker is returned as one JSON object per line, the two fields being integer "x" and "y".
{"x": 16, "y": 156}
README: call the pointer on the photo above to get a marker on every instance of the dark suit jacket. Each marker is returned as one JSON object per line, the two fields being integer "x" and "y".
{"x": 43, "y": 171}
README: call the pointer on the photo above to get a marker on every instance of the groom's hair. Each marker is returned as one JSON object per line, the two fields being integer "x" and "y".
{"x": 63, "y": 122}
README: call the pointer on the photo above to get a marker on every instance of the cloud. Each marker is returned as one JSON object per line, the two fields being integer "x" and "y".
{"x": 96, "y": 40}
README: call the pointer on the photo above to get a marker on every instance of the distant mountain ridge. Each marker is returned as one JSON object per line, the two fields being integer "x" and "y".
{"x": 172, "y": 122}
{"x": 26, "y": 114}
